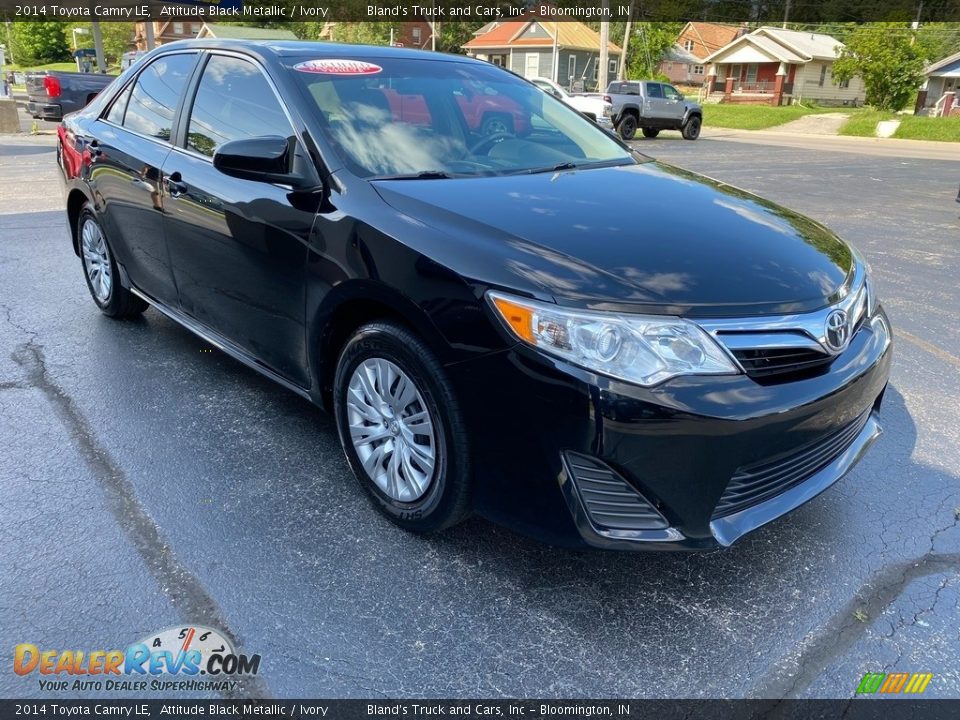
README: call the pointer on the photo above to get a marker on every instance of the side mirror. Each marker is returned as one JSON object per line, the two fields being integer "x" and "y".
{"x": 264, "y": 159}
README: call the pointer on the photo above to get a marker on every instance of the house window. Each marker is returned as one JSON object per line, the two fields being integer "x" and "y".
{"x": 416, "y": 34}
{"x": 845, "y": 83}
{"x": 698, "y": 69}
{"x": 178, "y": 28}
{"x": 532, "y": 68}
{"x": 823, "y": 75}
{"x": 688, "y": 45}
{"x": 752, "y": 73}
{"x": 572, "y": 67}
{"x": 613, "y": 67}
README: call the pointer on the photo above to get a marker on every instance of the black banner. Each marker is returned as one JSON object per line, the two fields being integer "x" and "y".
{"x": 850, "y": 709}
{"x": 275, "y": 11}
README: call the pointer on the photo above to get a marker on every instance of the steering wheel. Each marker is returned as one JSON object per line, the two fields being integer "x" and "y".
{"x": 489, "y": 140}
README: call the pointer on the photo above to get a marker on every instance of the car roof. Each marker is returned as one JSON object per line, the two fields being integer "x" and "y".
{"x": 302, "y": 48}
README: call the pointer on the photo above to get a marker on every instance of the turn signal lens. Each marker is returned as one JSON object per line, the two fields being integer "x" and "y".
{"x": 519, "y": 318}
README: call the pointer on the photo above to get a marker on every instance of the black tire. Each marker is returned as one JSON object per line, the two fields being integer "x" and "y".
{"x": 627, "y": 127}
{"x": 691, "y": 128}
{"x": 446, "y": 500}
{"x": 650, "y": 132}
{"x": 119, "y": 302}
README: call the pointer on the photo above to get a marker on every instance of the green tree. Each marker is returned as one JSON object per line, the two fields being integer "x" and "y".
{"x": 363, "y": 33}
{"x": 36, "y": 43}
{"x": 117, "y": 38}
{"x": 889, "y": 61}
{"x": 648, "y": 43}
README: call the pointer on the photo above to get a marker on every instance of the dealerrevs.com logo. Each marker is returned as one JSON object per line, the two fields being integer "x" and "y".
{"x": 202, "y": 657}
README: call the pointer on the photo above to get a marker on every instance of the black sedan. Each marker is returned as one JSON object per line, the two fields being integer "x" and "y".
{"x": 507, "y": 310}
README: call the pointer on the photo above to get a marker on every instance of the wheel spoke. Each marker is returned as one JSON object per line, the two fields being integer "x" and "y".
{"x": 357, "y": 402}
{"x": 419, "y": 423}
{"x": 378, "y": 394}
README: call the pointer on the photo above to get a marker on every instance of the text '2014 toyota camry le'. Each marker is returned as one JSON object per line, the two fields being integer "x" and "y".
{"x": 522, "y": 318}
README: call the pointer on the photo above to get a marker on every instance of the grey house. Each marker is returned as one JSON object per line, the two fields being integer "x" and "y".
{"x": 942, "y": 85}
{"x": 532, "y": 48}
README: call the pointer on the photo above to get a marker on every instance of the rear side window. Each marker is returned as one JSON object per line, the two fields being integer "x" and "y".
{"x": 156, "y": 94}
{"x": 654, "y": 90}
{"x": 234, "y": 101}
{"x": 119, "y": 106}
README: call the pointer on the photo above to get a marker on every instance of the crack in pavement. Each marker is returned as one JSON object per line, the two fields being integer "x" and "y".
{"x": 843, "y": 629}
{"x": 184, "y": 590}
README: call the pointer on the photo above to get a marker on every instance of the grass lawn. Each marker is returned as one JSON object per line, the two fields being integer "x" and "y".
{"x": 69, "y": 66}
{"x": 758, "y": 117}
{"x": 929, "y": 128}
{"x": 864, "y": 123}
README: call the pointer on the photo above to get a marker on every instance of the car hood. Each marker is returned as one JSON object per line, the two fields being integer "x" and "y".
{"x": 649, "y": 235}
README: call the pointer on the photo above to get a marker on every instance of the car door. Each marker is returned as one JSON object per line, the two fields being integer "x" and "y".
{"x": 239, "y": 247}
{"x": 130, "y": 144}
{"x": 654, "y": 105}
{"x": 673, "y": 104}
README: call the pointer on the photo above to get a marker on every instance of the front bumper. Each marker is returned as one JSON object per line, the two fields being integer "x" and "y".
{"x": 679, "y": 445}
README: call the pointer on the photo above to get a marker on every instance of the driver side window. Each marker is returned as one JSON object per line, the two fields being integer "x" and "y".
{"x": 233, "y": 101}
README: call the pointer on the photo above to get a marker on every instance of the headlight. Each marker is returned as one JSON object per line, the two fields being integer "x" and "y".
{"x": 640, "y": 349}
{"x": 868, "y": 287}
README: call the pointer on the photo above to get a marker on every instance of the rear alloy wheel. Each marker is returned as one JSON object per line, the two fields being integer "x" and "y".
{"x": 100, "y": 269}
{"x": 650, "y": 132}
{"x": 627, "y": 127}
{"x": 401, "y": 429}
{"x": 691, "y": 128}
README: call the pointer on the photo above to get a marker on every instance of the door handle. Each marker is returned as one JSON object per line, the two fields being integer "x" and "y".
{"x": 175, "y": 185}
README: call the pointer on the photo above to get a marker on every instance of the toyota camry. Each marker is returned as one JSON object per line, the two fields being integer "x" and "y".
{"x": 507, "y": 310}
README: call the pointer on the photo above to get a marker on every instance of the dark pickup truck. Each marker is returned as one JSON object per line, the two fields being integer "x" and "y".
{"x": 52, "y": 94}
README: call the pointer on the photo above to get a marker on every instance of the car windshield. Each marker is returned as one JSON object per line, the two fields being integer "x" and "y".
{"x": 392, "y": 118}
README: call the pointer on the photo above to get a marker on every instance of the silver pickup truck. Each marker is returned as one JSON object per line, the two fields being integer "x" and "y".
{"x": 652, "y": 106}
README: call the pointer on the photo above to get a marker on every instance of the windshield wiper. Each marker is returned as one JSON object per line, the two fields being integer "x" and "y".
{"x": 425, "y": 175}
{"x": 572, "y": 166}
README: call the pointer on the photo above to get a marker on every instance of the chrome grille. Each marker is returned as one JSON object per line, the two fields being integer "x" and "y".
{"x": 754, "y": 484}
{"x": 778, "y": 348}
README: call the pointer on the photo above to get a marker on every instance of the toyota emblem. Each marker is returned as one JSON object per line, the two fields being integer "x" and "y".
{"x": 837, "y": 330}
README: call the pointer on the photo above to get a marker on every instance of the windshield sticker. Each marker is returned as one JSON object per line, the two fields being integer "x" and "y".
{"x": 338, "y": 67}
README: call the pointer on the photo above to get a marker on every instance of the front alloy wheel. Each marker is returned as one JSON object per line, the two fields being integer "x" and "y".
{"x": 391, "y": 429}
{"x": 691, "y": 129}
{"x": 401, "y": 427}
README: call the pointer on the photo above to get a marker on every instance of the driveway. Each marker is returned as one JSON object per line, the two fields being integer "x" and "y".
{"x": 149, "y": 481}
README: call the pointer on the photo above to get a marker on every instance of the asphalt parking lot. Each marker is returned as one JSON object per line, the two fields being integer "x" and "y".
{"x": 148, "y": 482}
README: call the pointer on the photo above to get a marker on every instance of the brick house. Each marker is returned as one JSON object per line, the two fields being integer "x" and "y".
{"x": 771, "y": 66}
{"x": 527, "y": 48}
{"x": 684, "y": 62}
{"x": 409, "y": 33}
{"x": 165, "y": 31}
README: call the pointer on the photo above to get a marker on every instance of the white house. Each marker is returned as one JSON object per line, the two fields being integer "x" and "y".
{"x": 775, "y": 67}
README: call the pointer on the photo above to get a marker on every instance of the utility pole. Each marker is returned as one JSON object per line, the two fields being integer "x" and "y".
{"x": 786, "y": 14}
{"x": 555, "y": 64}
{"x": 622, "y": 70}
{"x": 98, "y": 45}
{"x": 604, "y": 49}
{"x": 150, "y": 37}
